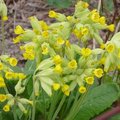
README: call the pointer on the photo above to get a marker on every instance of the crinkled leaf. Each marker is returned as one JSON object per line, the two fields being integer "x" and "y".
{"x": 98, "y": 99}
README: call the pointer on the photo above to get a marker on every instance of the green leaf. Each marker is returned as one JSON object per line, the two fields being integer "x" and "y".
{"x": 46, "y": 88}
{"x": 109, "y": 5}
{"x": 6, "y": 116}
{"x": 115, "y": 117}
{"x": 60, "y": 3}
{"x": 30, "y": 67}
{"x": 98, "y": 99}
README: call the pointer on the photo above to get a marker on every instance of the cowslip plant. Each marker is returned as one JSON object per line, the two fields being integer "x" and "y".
{"x": 60, "y": 74}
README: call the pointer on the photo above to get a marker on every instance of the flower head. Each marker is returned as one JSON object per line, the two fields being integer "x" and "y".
{"x": 52, "y": 14}
{"x": 9, "y": 75}
{"x": 6, "y": 108}
{"x": 98, "y": 72}
{"x": 2, "y": 83}
{"x": 17, "y": 39}
{"x": 45, "y": 50}
{"x": 13, "y": 61}
{"x": 102, "y": 20}
{"x": 57, "y": 59}
{"x": 95, "y": 16}
{"x": 82, "y": 89}
{"x": 1, "y": 66}
{"x": 89, "y": 80}
{"x": 111, "y": 27}
{"x": 110, "y": 47}
{"x": 2, "y": 97}
{"x": 56, "y": 86}
{"x": 58, "y": 69}
{"x": 72, "y": 64}
{"x": 66, "y": 89}
{"x": 86, "y": 52}
{"x": 84, "y": 30}
{"x": 19, "y": 30}
{"x": 60, "y": 41}
{"x": 43, "y": 25}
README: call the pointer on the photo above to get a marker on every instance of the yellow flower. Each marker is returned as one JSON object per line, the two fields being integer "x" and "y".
{"x": 29, "y": 48}
{"x": 111, "y": 27}
{"x": 21, "y": 76}
{"x": 85, "y": 5}
{"x": 60, "y": 41}
{"x": 67, "y": 92}
{"x": 1, "y": 66}
{"x": 52, "y": 14}
{"x": 110, "y": 47}
{"x": 2, "y": 97}
{"x": 17, "y": 39}
{"x": 44, "y": 50}
{"x": 2, "y": 83}
{"x": 13, "y": 61}
{"x": 102, "y": 46}
{"x": 69, "y": 18}
{"x": 19, "y": 30}
{"x": 84, "y": 30}
{"x": 118, "y": 67}
{"x": 9, "y": 75}
{"x": 58, "y": 68}
{"x": 43, "y": 25}
{"x": 30, "y": 55}
{"x": 15, "y": 76}
{"x": 102, "y": 61}
{"x": 4, "y": 18}
{"x": 89, "y": 80}
{"x": 86, "y": 52}
{"x": 45, "y": 34}
{"x": 65, "y": 87}
{"x": 67, "y": 43}
{"x": 77, "y": 33}
{"x": 102, "y": 20}
{"x": 57, "y": 59}
{"x": 6, "y": 108}
{"x": 98, "y": 72}
{"x": 95, "y": 16}
{"x": 56, "y": 86}
{"x": 82, "y": 89}
{"x": 72, "y": 64}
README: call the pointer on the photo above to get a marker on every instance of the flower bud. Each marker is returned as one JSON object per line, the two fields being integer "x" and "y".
{"x": 18, "y": 88}
{"x": 22, "y": 108}
{"x": 37, "y": 86}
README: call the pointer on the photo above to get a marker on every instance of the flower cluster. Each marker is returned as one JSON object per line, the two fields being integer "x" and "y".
{"x": 61, "y": 64}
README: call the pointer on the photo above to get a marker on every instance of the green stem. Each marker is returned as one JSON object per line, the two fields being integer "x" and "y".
{"x": 14, "y": 113}
{"x": 54, "y": 101}
{"x": 13, "y": 109}
{"x": 44, "y": 104}
{"x": 75, "y": 109}
{"x": 59, "y": 107}
{"x": 34, "y": 102}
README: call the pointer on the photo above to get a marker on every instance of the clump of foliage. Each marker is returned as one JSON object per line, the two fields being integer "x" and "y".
{"x": 60, "y": 79}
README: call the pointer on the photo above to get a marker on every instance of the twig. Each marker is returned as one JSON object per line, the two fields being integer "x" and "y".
{"x": 109, "y": 113}
{"x": 113, "y": 19}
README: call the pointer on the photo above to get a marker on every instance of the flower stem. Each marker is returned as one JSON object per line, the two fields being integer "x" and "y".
{"x": 34, "y": 102}
{"x": 75, "y": 109}
{"x": 59, "y": 107}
